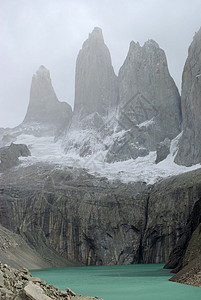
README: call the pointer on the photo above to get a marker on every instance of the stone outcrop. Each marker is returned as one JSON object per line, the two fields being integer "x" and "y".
{"x": 149, "y": 102}
{"x": 9, "y": 156}
{"x": 70, "y": 211}
{"x": 188, "y": 246}
{"x": 190, "y": 274}
{"x": 162, "y": 150}
{"x": 170, "y": 205}
{"x": 96, "y": 87}
{"x": 44, "y": 110}
{"x": 189, "y": 147}
{"x": 16, "y": 252}
{"x": 20, "y": 285}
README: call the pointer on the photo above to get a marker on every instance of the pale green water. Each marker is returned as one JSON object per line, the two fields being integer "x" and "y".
{"x": 130, "y": 282}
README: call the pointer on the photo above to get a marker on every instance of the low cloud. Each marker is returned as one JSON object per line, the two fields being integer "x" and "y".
{"x": 52, "y": 32}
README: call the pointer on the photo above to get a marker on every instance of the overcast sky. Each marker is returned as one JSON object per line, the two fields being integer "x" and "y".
{"x": 51, "y": 33}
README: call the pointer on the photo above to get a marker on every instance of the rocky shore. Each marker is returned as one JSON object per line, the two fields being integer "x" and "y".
{"x": 190, "y": 274}
{"x": 20, "y": 285}
{"x": 185, "y": 259}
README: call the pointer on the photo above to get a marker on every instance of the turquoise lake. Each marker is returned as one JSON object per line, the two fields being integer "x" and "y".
{"x": 127, "y": 282}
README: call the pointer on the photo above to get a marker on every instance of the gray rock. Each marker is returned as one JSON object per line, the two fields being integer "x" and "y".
{"x": 123, "y": 149}
{"x": 44, "y": 109}
{"x": 188, "y": 246}
{"x": 189, "y": 145}
{"x": 35, "y": 292}
{"x": 95, "y": 81}
{"x": 9, "y": 155}
{"x": 6, "y": 294}
{"x": 14, "y": 286}
{"x": 149, "y": 99}
{"x": 1, "y": 279}
{"x": 144, "y": 225}
{"x": 18, "y": 285}
{"x": 162, "y": 150}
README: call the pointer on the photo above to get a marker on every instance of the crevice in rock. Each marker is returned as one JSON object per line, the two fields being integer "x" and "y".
{"x": 141, "y": 248}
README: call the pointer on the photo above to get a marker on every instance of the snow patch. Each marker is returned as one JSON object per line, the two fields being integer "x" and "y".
{"x": 146, "y": 123}
{"x": 44, "y": 149}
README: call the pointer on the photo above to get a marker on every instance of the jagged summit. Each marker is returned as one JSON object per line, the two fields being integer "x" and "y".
{"x": 95, "y": 39}
{"x": 42, "y": 71}
{"x": 150, "y": 43}
{"x": 96, "y": 34}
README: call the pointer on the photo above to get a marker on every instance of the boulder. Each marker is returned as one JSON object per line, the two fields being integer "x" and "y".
{"x": 9, "y": 156}
{"x": 162, "y": 150}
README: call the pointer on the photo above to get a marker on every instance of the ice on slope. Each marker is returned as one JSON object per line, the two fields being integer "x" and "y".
{"x": 144, "y": 169}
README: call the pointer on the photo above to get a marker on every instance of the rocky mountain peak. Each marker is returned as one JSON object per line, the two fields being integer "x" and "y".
{"x": 44, "y": 107}
{"x": 42, "y": 72}
{"x": 149, "y": 100}
{"x": 151, "y": 44}
{"x": 134, "y": 46}
{"x": 95, "y": 81}
{"x": 150, "y": 54}
{"x": 96, "y": 34}
{"x": 95, "y": 39}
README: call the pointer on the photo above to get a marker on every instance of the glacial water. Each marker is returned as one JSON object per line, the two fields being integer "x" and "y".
{"x": 127, "y": 282}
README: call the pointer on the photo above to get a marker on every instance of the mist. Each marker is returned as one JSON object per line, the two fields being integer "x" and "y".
{"x": 51, "y": 33}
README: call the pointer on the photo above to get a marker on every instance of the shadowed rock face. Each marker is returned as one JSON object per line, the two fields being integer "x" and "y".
{"x": 169, "y": 207}
{"x": 189, "y": 147}
{"x": 188, "y": 246}
{"x": 186, "y": 256}
{"x": 190, "y": 274}
{"x": 44, "y": 108}
{"x": 162, "y": 150}
{"x": 95, "y": 81}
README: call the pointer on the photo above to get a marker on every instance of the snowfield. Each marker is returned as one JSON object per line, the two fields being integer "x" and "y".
{"x": 44, "y": 149}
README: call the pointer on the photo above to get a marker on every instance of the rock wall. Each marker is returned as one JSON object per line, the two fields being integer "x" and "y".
{"x": 93, "y": 221}
{"x": 170, "y": 205}
{"x": 188, "y": 246}
{"x": 9, "y": 156}
{"x": 16, "y": 252}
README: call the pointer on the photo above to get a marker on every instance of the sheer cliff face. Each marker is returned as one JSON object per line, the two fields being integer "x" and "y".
{"x": 189, "y": 147}
{"x": 146, "y": 86}
{"x": 95, "y": 81}
{"x": 94, "y": 221}
{"x": 44, "y": 107}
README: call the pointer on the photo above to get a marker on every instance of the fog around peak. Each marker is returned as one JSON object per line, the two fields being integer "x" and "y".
{"x": 51, "y": 33}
